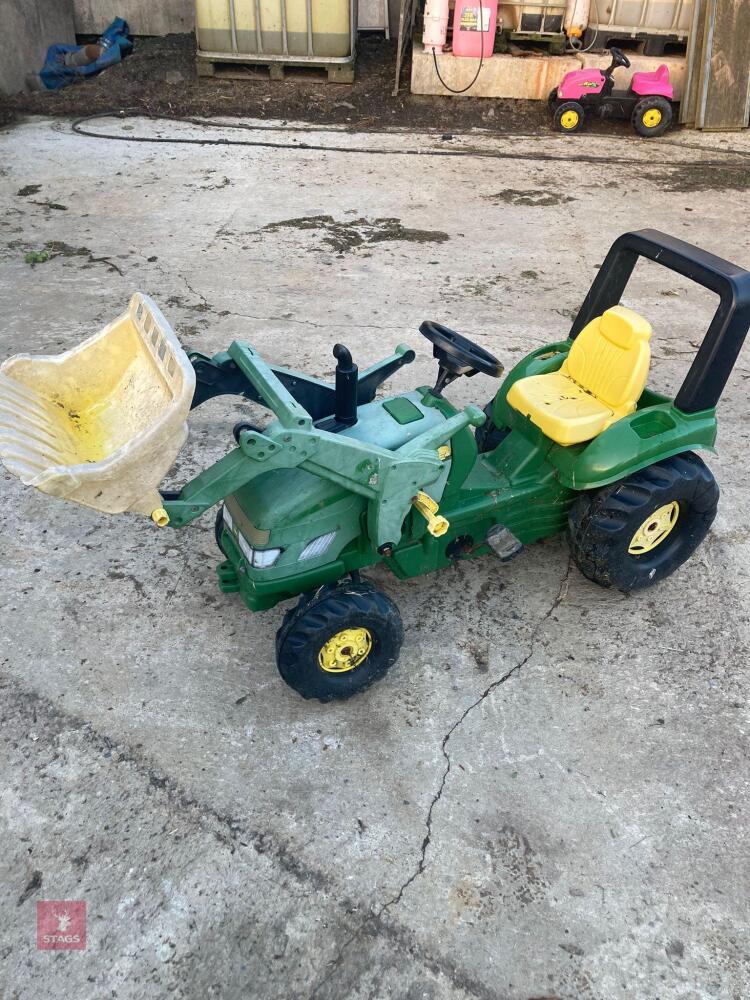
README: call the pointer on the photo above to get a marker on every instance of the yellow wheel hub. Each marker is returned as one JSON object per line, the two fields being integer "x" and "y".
{"x": 651, "y": 118}
{"x": 345, "y": 650}
{"x": 654, "y": 529}
{"x": 569, "y": 119}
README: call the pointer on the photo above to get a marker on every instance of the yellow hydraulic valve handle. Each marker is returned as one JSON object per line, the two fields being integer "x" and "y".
{"x": 437, "y": 525}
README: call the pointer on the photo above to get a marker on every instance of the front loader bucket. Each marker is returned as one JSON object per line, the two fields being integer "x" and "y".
{"x": 102, "y": 423}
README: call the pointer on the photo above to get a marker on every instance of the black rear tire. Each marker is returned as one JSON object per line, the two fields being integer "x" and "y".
{"x": 603, "y": 524}
{"x": 321, "y": 617}
{"x": 651, "y": 108}
{"x": 488, "y": 436}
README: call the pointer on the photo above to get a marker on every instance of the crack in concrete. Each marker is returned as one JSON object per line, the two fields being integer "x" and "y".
{"x": 229, "y": 830}
{"x": 289, "y": 319}
{"x": 314, "y": 325}
{"x": 422, "y": 861}
{"x": 198, "y": 295}
{"x": 562, "y": 591}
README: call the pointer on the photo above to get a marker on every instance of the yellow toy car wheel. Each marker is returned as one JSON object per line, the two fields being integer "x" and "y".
{"x": 569, "y": 117}
{"x": 635, "y": 533}
{"x": 338, "y": 641}
{"x": 652, "y": 117}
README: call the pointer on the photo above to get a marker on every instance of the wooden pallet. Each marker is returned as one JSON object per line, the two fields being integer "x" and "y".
{"x": 253, "y": 69}
{"x": 641, "y": 42}
{"x": 520, "y": 42}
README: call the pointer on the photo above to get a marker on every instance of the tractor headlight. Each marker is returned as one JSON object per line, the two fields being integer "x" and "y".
{"x": 317, "y": 546}
{"x": 264, "y": 558}
{"x": 258, "y": 558}
{"x": 227, "y": 518}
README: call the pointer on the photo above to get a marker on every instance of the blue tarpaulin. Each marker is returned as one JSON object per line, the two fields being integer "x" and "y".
{"x": 116, "y": 44}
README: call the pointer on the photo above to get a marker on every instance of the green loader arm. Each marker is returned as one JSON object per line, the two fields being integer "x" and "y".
{"x": 388, "y": 479}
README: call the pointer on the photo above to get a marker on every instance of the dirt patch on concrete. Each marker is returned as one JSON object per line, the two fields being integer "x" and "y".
{"x": 703, "y": 177}
{"x": 57, "y": 248}
{"x": 534, "y": 197}
{"x": 346, "y": 236}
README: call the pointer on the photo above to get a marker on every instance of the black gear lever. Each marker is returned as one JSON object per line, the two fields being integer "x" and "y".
{"x": 346, "y": 386}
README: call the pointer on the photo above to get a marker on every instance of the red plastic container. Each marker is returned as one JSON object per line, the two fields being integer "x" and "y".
{"x": 474, "y": 28}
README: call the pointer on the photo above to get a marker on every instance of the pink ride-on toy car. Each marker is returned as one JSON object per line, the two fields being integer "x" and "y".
{"x": 648, "y": 102}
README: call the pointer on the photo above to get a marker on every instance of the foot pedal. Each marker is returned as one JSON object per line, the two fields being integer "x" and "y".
{"x": 503, "y": 542}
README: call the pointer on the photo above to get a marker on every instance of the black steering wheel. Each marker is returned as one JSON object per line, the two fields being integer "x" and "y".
{"x": 619, "y": 58}
{"x": 458, "y": 355}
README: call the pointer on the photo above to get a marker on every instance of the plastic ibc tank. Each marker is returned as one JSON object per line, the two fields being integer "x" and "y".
{"x": 223, "y": 26}
{"x": 531, "y": 18}
{"x": 639, "y": 17}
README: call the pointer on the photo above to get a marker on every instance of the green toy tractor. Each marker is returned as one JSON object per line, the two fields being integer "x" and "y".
{"x": 574, "y": 441}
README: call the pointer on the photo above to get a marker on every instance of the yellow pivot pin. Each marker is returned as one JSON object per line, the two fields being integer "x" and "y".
{"x": 160, "y": 517}
{"x": 437, "y": 525}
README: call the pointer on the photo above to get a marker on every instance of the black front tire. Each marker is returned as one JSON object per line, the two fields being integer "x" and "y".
{"x": 603, "y": 524}
{"x": 323, "y": 615}
{"x": 488, "y": 436}
{"x": 645, "y": 115}
{"x": 569, "y": 117}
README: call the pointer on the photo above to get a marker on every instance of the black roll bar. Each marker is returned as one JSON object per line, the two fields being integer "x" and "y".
{"x": 713, "y": 364}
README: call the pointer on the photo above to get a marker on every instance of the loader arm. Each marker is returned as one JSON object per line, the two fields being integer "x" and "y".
{"x": 220, "y": 375}
{"x": 388, "y": 479}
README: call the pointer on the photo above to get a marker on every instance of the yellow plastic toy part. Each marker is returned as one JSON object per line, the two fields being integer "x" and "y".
{"x": 102, "y": 423}
{"x": 600, "y": 381}
{"x": 437, "y": 525}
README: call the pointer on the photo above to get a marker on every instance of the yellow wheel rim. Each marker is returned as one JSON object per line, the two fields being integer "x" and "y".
{"x": 345, "y": 650}
{"x": 651, "y": 118}
{"x": 569, "y": 119}
{"x": 654, "y": 529}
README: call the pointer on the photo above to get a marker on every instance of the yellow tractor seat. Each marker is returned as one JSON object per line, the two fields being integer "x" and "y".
{"x": 600, "y": 381}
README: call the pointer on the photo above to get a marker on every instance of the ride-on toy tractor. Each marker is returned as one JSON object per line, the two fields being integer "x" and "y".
{"x": 647, "y": 103}
{"x": 337, "y": 481}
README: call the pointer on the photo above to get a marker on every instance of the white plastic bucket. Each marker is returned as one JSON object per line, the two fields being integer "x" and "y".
{"x": 101, "y": 424}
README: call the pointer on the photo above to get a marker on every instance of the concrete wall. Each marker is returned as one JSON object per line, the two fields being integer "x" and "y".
{"x": 530, "y": 78}
{"x": 145, "y": 17}
{"x": 28, "y": 28}
{"x": 164, "y": 17}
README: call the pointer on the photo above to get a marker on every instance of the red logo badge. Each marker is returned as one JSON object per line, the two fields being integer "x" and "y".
{"x": 61, "y": 924}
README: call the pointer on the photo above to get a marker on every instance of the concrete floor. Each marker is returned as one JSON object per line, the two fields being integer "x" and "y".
{"x": 548, "y": 795}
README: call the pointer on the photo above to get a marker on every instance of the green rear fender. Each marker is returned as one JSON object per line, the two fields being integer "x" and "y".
{"x": 649, "y": 435}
